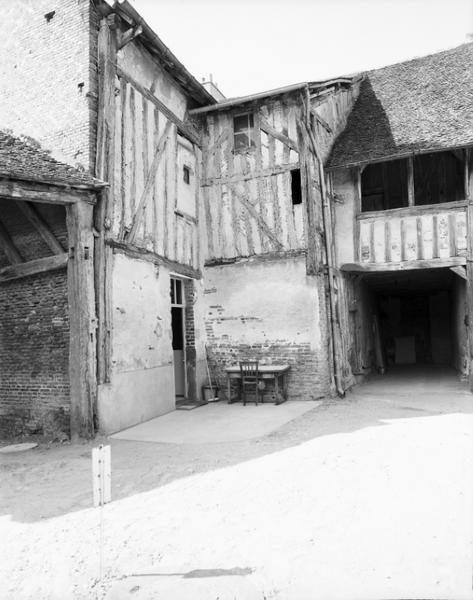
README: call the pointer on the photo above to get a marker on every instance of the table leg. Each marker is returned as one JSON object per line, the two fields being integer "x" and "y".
{"x": 280, "y": 398}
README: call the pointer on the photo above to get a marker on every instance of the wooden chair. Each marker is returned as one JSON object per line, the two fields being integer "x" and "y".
{"x": 249, "y": 379}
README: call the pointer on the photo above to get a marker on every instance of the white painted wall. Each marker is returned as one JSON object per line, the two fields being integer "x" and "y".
{"x": 345, "y": 190}
{"x": 142, "y": 376}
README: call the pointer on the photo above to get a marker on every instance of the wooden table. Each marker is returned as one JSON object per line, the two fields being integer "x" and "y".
{"x": 276, "y": 373}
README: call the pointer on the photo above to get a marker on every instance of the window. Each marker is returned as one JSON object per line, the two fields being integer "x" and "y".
{"x": 438, "y": 178}
{"x": 296, "y": 191}
{"x": 186, "y": 174}
{"x": 384, "y": 186}
{"x": 435, "y": 178}
{"x": 243, "y": 132}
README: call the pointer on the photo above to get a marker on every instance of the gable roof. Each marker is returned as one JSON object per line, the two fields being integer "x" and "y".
{"x": 25, "y": 161}
{"x": 421, "y": 105}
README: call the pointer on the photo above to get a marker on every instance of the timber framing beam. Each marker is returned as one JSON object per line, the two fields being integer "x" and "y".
{"x": 460, "y": 271}
{"x": 82, "y": 320}
{"x": 279, "y": 135}
{"x": 41, "y": 226}
{"x": 148, "y": 256}
{"x": 9, "y": 247}
{"x": 48, "y": 194}
{"x": 184, "y": 129}
{"x": 408, "y": 265}
{"x": 150, "y": 177}
{"x": 129, "y": 36}
{"x": 32, "y": 267}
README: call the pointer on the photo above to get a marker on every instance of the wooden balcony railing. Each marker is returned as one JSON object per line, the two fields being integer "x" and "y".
{"x": 416, "y": 233}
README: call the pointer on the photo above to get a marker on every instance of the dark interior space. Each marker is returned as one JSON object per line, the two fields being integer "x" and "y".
{"x": 418, "y": 318}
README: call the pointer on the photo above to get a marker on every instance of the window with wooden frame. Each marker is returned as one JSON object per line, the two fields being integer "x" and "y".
{"x": 425, "y": 179}
{"x": 243, "y": 132}
{"x": 186, "y": 174}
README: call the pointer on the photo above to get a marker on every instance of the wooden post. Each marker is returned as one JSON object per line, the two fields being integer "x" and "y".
{"x": 104, "y": 169}
{"x": 468, "y": 185}
{"x": 410, "y": 181}
{"x": 81, "y": 292}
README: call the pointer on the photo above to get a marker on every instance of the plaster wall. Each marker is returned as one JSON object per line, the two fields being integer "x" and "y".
{"x": 142, "y": 378}
{"x": 344, "y": 188}
{"x": 135, "y": 60}
{"x": 269, "y": 310}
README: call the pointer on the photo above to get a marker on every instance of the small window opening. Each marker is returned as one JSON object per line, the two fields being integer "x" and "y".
{"x": 296, "y": 189}
{"x": 438, "y": 177}
{"x": 243, "y": 132}
{"x": 186, "y": 174}
{"x": 48, "y": 16}
{"x": 384, "y": 186}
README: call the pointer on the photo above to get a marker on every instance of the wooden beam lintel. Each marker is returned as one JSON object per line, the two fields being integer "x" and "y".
{"x": 18, "y": 190}
{"x": 435, "y": 263}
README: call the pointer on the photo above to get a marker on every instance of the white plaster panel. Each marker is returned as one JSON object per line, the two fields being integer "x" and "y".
{"x": 263, "y": 301}
{"x": 140, "y": 66}
{"x": 344, "y": 188}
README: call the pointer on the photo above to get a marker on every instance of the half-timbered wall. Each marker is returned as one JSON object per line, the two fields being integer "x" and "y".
{"x": 152, "y": 232}
{"x": 150, "y": 154}
{"x": 247, "y": 195}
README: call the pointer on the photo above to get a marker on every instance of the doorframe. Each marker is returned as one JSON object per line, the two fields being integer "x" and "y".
{"x": 182, "y": 305}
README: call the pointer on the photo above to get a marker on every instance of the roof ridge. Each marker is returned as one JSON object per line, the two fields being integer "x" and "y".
{"x": 418, "y": 58}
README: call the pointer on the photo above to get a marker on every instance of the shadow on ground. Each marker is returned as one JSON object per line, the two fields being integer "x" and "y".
{"x": 52, "y": 481}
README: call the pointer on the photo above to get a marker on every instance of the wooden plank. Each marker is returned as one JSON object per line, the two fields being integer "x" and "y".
{"x": 239, "y": 177}
{"x": 48, "y": 194}
{"x": 412, "y": 211}
{"x": 387, "y": 244}
{"x": 420, "y": 239}
{"x": 469, "y": 290}
{"x": 148, "y": 183}
{"x": 82, "y": 320}
{"x": 438, "y": 263}
{"x": 278, "y": 135}
{"x": 32, "y": 267}
{"x": 184, "y": 129}
{"x": 41, "y": 226}
{"x": 8, "y": 247}
{"x": 452, "y": 234}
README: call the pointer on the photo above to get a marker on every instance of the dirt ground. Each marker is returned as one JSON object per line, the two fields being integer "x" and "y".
{"x": 366, "y": 497}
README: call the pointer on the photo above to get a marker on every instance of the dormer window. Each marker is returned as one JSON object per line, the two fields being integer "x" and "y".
{"x": 243, "y": 132}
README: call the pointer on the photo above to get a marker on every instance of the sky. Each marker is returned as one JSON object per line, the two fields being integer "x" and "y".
{"x": 255, "y": 45}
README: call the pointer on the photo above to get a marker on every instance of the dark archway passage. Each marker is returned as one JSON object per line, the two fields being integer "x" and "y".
{"x": 412, "y": 319}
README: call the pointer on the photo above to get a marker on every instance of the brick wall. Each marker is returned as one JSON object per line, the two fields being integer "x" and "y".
{"x": 47, "y": 66}
{"x": 191, "y": 356}
{"x": 34, "y": 355}
{"x": 272, "y": 313}
{"x": 34, "y": 334}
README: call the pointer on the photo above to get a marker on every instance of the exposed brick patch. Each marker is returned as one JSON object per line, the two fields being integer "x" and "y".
{"x": 308, "y": 378}
{"x": 189, "y": 294}
{"x": 34, "y": 355}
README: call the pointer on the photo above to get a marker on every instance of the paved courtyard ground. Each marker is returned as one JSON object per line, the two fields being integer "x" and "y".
{"x": 368, "y": 497}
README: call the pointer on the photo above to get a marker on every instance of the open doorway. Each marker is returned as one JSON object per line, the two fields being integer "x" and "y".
{"x": 178, "y": 336}
{"x": 413, "y": 320}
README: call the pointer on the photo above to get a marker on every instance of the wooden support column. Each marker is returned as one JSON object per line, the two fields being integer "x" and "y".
{"x": 82, "y": 344}
{"x": 469, "y": 263}
{"x": 410, "y": 181}
{"x": 104, "y": 169}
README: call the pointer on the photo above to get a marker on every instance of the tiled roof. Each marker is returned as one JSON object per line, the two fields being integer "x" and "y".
{"x": 23, "y": 160}
{"x": 421, "y": 105}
